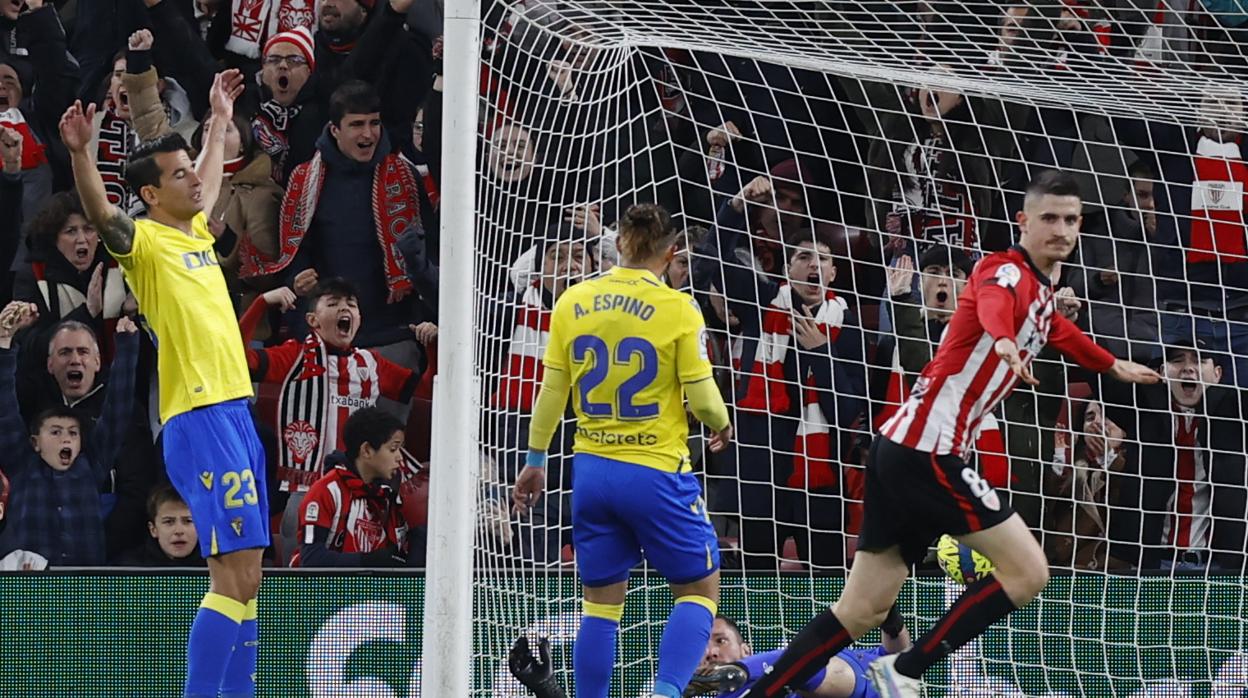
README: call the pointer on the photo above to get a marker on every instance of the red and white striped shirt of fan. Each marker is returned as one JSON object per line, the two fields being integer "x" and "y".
{"x": 1006, "y": 296}
{"x": 1187, "y": 525}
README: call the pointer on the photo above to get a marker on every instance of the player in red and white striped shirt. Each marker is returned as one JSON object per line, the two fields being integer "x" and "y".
{"x": 918, "y": 483}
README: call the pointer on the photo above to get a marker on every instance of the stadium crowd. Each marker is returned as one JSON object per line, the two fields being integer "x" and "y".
{"x": 825, "y": 245}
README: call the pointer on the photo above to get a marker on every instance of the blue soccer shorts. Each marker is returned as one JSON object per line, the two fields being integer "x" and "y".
{"x": 621, "y": 510}
{"x": 215, "y": 461}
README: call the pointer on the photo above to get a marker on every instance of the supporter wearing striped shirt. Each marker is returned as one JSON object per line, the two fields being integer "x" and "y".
{"x": 323, "y": 379}
{"x": 1183, "y": 490}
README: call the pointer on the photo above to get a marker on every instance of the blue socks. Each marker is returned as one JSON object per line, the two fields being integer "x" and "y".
{"x": 240, "y": 673}
{"x": 683, "y": 644}
{"x": 593, "y": 656}
{"x": 211, "y": 645}
{"x": 755, "y": 664}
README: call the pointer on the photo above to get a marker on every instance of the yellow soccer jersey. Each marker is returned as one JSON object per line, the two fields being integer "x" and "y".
{"x": 182, "y": 294}
{"x": 629, "y": 342}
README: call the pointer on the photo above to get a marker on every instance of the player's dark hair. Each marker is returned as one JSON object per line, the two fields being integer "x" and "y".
{"x": 46, "y": 224}
{"x": 160, "y": 496}
{"x": 369, "y": 425}
{"x": 353, "y": 97}
{"x": 645, "y": 233}
{"x": 732, "y": 624}
{"x": 1053, "y": 182}
{"x": 333, "y": 287}
{"x": 54, "y": 412}
{"x": 141, "y": 168}
{"x": 71, "y": 326}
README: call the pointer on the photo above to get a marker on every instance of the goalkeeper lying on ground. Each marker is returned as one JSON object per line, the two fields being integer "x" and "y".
{"x": 729, "y": 666}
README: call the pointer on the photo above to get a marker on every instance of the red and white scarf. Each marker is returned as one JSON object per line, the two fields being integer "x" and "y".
{"x": 115, "y": 139}
{"x": 767, "y": 390}
{"x": 33, "y": 152}
{"x": 270, "y": 126}
{"x": 396, "y": 207}
{"x": 1219, "y": 200}
{"x": 253, "y": 21}
{"x": 319, "y": 393}
{"x": 523, "y": 374}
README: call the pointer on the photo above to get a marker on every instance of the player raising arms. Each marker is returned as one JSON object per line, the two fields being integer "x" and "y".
{"x": 211, "y": 449}
{"x": 918, "y": 484}
{"x": 629, "y": 344}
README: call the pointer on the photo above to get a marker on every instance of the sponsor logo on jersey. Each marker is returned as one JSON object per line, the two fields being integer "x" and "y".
{"x": 312, "y": 511}
{"x": 206, "y": 478}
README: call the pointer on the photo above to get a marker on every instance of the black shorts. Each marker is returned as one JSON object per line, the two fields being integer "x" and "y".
{"x": 912, "y": 497}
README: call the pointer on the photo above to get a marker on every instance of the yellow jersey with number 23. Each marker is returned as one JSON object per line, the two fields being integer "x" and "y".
{"x": 629, "y": 343}
{"x": 182, "y": 295}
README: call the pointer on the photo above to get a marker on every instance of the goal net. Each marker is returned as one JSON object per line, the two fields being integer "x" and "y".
{"x": 855, "y": 158}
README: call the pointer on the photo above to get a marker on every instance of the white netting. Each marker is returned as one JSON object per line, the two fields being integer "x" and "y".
{"x": 887, "y": 130}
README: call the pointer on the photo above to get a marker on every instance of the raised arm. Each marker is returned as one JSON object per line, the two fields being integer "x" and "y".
{"x": 118, "y": 412}
{"x": 115, "y": 228}
{"x": 226, "y": 87}
{"x": 15, "y": 317}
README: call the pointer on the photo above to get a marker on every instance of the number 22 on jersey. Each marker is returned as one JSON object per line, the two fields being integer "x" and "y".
{"x": 629, "y": 367}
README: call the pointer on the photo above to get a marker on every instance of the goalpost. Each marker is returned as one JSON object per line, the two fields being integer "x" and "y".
{"x": 558, "y": 114}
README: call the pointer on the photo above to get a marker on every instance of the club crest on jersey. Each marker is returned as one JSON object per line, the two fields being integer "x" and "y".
{"x": 1008, "y": 275}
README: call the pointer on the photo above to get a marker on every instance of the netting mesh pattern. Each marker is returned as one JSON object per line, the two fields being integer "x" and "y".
{"x": 892, "y": 141}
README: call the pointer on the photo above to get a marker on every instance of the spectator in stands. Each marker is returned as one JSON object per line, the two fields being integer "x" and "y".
{"x": 563, "y": 255}
{"x": 323, "y": 379}
{"x": 1182, "y": 502}
{"x": 38, "y": 78}
{"x": 55, "y": 506}
{"x": 70, "y": 275}
{"x": 343, "y": 213}
{"x": 930, "y": 176}
{"x": 1076, "y": 534}
{"x": 1114, "y": 271}
{"x": 1201, "y": 256}
{"x": 352, "y": 515}
{"x": 292, "y": 117}
{"x": 172, "y": 540}
{"x": 70, "y": 377}
{"x": 802, "y": 384}
{"x": 355, "y": 43}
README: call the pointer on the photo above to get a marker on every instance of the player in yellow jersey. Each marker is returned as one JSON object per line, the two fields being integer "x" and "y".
{"x": 211, "y": 450}
{"x": 631, "y": 349}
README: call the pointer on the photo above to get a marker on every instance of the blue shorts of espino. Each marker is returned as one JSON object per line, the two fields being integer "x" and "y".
{"x": 215, "y": 461}
{"x": 621, "y": 511}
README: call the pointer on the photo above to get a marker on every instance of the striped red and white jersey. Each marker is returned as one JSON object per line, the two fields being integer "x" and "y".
{"x": 1006, "y": 296}
{"x": 1190, "y": 509}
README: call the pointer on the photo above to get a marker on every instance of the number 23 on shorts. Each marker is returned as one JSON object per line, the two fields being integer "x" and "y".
{"x": 239, "y": 480}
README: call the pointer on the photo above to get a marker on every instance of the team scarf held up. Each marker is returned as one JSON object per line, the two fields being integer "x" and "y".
{"x": 270, "y": 127}
{"x": 767, "y": 391}
{"x": 33, "y": 152}
{"x": 1219, "y": 200}
{"x": 254, "y": 21}
{"x": 523, "y": 373}
{"x": 396, "y": 207}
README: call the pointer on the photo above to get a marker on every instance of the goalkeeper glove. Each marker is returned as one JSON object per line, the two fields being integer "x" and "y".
{"x": 534, "y": 672}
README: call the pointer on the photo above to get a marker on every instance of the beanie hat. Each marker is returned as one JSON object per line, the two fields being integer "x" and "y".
{"x": 25, "y": 73}
{"x": 300, "y": 37}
